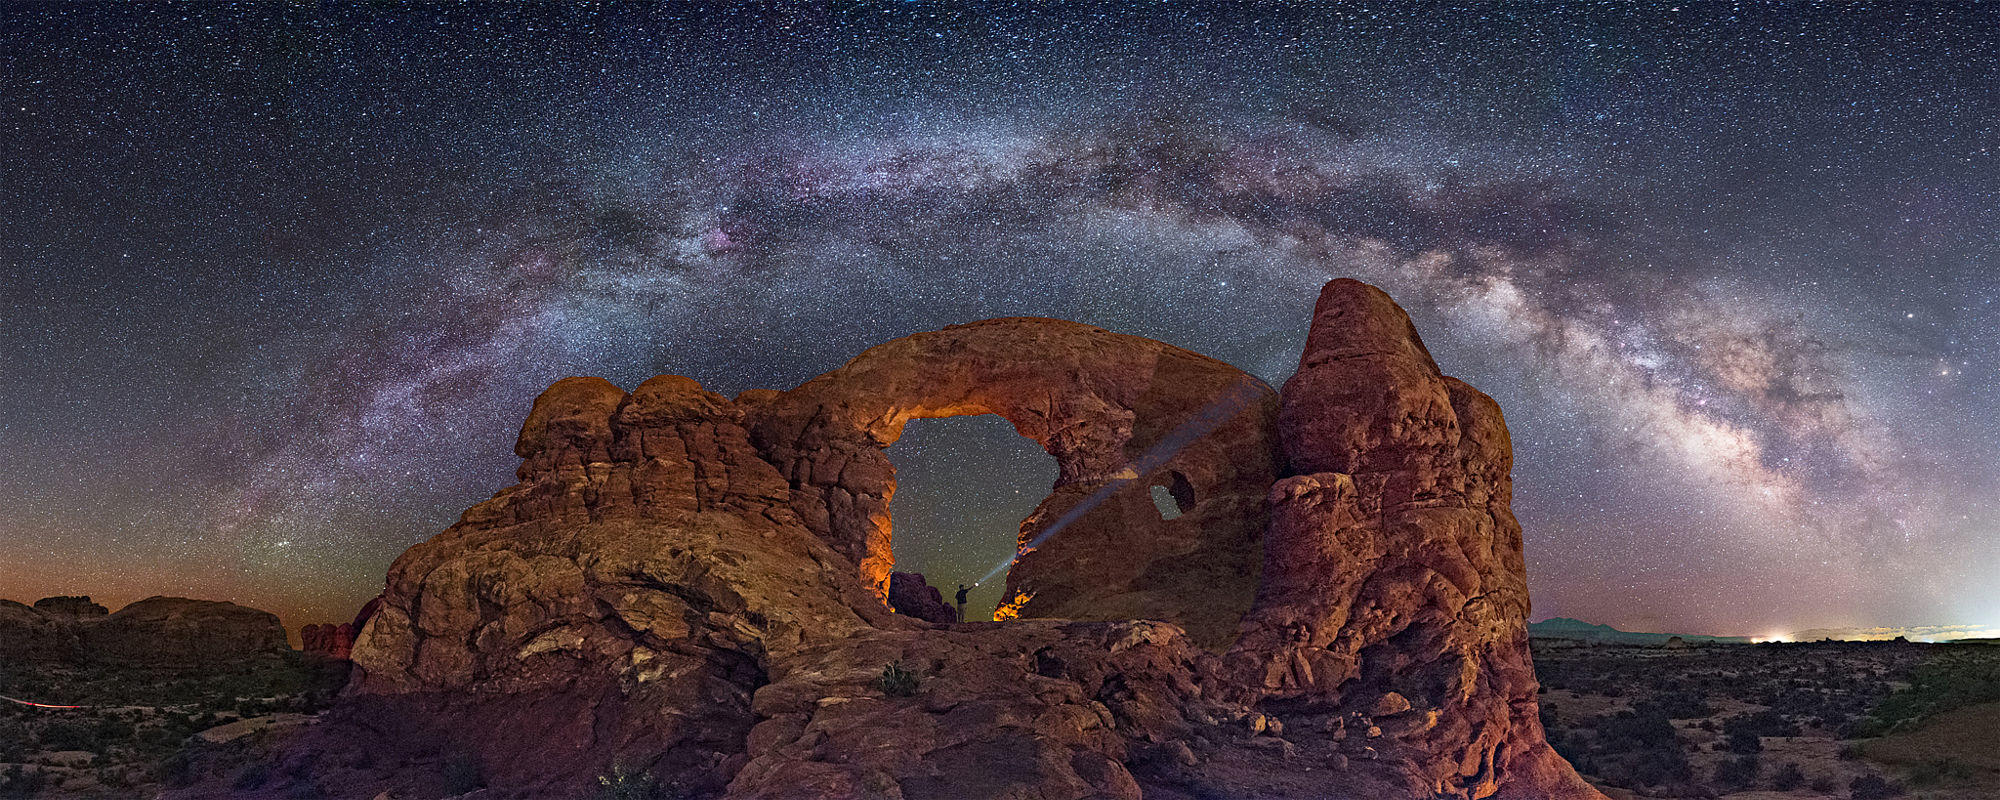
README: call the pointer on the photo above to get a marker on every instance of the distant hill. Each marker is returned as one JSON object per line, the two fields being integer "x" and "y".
{"x": 1578, "y": 630}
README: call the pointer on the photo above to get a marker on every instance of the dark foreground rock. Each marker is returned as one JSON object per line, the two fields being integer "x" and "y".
{"x": 685, "y": 593}
{"x": 910, "y": 594}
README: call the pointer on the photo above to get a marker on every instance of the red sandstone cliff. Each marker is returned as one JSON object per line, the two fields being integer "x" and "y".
{"x": 688, "y": 587}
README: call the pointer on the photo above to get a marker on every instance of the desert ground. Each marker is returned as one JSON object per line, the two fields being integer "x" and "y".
{"x": 1766, "y": 721}
{"x": 138, "y": 723}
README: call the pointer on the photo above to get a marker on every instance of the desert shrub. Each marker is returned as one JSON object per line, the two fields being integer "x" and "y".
{"x": 1679, "y": 705}
{"x": 1932, "y": 773}
{"x": 1788, "y": 777}
{"x": 1743, "y": 742}
{"x": 1821, "y": 783}
{"x": 1762, "y": 723}
{"x": 67, "y": 735}
{"x": 1941, "y": 685}
{"x": 622, "y": 784}
{"x": 1872, "y": 787}
{"x": 1738, "y": 773}
{"x": 19, "y": 781}
{"x": 1630, "y": 730}
{"x": 13, "y": 739}
{"x": 896, "y": 681}
{"x": 253, "y": 776}
{"x": 115, "y": 730}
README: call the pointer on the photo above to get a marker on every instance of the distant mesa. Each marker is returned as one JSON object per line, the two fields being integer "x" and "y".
{"x": 687, "y": 592}
{"x": 1576, "y": 630}
{"x": 156, "y": 631}
{"x": 71, "y": 606}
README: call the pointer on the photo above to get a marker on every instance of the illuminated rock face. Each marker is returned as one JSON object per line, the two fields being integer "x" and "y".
{"x": 1393, "y": 565}
{"x": 1097, "y": 402}
{"x": 689, "y": 587}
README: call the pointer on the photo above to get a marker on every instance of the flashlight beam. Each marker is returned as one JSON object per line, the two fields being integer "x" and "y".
{"x": 1220, "y": 410}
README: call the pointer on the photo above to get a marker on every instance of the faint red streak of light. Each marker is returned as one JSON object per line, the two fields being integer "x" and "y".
{"x": 32, "y": 704}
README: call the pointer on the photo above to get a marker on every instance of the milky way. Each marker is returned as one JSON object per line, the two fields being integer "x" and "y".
{"x": 281, "y": 284}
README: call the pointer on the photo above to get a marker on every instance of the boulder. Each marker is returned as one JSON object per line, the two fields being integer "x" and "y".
{"x": 910, "y": 594}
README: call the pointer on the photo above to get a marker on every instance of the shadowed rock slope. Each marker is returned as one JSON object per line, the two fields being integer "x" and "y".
{"x": 686, "y": 591}
{"x": 156, "y": 631}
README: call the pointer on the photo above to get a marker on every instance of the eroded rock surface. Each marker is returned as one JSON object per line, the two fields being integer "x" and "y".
{"x": 182, "y": 632}
{"x": 687, "y": 590}
{"x": 910, "y": 594}
{"x": 1394, "y": 582}
{"x": 1098, "y": 402}
{"x": 328, "y": 640}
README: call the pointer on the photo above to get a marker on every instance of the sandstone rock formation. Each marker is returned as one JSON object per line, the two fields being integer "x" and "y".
{"x": 688, "y": 589}
{"x": 910, "y": 594}
{"x": 27, "y": 634}
{"x": 72, "y": 606}
{"x": 168, "y": 631}
{"x": 328, "y": 640}
{"x": 180, "y": 632}
{"x": 1097, "y": 402}
{"x": 1393, "y": 565}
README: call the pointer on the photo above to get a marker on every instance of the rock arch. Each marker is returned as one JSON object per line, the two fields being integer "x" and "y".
{"x": 1096, "y": 401}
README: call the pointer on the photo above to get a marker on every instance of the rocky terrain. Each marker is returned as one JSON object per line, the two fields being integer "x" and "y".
{"x": 684, "y": 595}
{"x": 99, "y": 705}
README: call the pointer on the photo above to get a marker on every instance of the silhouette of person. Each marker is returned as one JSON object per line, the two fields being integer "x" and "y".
{"x": 961, "y": 601}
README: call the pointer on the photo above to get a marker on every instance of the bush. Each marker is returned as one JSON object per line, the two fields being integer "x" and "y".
{"x": 1678, "y": 705}
{"x": 1762, "y": 723}
{"x": 1738, "y": 773}
{"x": 895, "y": 681}
{"x": 18, "y": 781}
{"x": 623, "y": 785}
{"x": 1744, "y": 742}
{"x": 1788, "y": 777}
{"x": 66, "y": 735}
{"x": 1932, "y": 773}
{"x": 1872, "y": 787}
{"x": 253, "y": 776}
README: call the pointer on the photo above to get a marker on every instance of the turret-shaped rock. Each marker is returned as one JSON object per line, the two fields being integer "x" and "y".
{"x": 1393, "y": 565}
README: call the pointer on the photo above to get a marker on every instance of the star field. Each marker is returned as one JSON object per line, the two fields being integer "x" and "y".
{"x": 278, "y": 284}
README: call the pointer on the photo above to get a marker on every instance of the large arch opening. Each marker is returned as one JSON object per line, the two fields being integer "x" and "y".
{"x": 1112, "y": 411}
{"x": 963, "y": 486}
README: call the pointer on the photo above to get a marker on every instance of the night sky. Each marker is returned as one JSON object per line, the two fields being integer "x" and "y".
{"x": 278, "y": 284}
